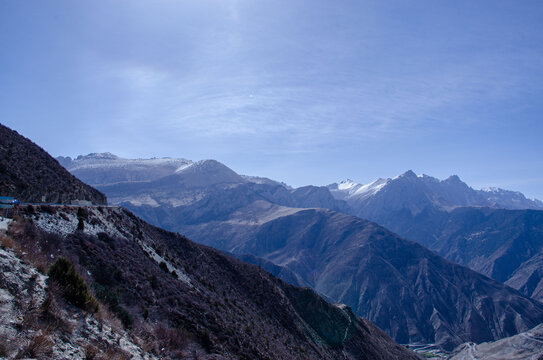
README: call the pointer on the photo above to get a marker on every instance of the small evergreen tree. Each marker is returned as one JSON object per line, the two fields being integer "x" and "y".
{"x": 74, "y": 288}
{"x": 80, "y": 224}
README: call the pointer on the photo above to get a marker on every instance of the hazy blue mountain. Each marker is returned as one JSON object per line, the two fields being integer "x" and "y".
{"x": 380, "y": 200}
{"x": 506, "y": 245}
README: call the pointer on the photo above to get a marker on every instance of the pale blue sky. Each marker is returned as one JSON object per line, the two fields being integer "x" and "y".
{"x": 307, "y": 92}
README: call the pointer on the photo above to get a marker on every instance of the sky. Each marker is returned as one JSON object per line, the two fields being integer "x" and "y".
{"x": 305, "y": 92}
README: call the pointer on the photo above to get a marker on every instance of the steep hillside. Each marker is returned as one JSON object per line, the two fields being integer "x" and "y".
{"x": 408, "y": 291}
{"x": 229, "y": 308}
{"x": 29, "y": 174}
{"x": 36, "y": 322}
{"x": 506, "y": 245}
{"x": 489, "y": 236}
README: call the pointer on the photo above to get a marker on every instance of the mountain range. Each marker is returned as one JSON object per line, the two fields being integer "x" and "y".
{"x": 175, "y": 298}
{"x": 409, "y": 192}
{"x": 496, "y": 232}
{"x": 343, "y": 257}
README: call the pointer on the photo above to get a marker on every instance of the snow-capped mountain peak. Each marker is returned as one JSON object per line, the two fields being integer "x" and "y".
{"x": 408, "y": 189}
{"x": 410, "y": 174}
{"x": 347, "y": 184}
{"x": 348, "y": 188}
{"x": 183, "y": 167}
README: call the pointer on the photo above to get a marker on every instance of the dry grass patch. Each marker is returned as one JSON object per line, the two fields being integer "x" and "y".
{"x": 39, "y": 346}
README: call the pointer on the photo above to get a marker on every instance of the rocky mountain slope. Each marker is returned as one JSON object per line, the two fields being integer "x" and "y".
{"x": 506, "y": 245}
{"x": 524, "y": 346}
{"x": 408, "y": 291}
{"x": 29, "y": 174}
{"x": 485, "y": 230}
{"x": 35, "y": 322}
{"x": 219, "y": 305}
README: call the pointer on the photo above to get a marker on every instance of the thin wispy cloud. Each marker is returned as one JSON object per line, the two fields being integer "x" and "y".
{"x": 368, "y": 86}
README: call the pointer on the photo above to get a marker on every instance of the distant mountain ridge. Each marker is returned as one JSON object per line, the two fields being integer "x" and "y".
{"x": 506, "y": 245}
{"x": 178, "y": 182}
{"x": 101, "y": 168}
{"x": 496, "y": 232}
{"x": 407, "y": 290}
{"x": 414, "y": 193}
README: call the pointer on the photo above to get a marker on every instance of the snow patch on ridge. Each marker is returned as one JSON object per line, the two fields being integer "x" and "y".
{"x": 109, "y": 160}
{"x": 351, "y": 189}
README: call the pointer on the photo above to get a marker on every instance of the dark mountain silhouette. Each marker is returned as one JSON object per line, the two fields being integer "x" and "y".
{"x": 30, "y": 174}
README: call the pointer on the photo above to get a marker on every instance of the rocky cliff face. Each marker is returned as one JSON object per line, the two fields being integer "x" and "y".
{"x": 30, "y": 174}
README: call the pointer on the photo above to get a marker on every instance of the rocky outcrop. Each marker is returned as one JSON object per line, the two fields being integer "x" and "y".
{"x": 34, "y": 323}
